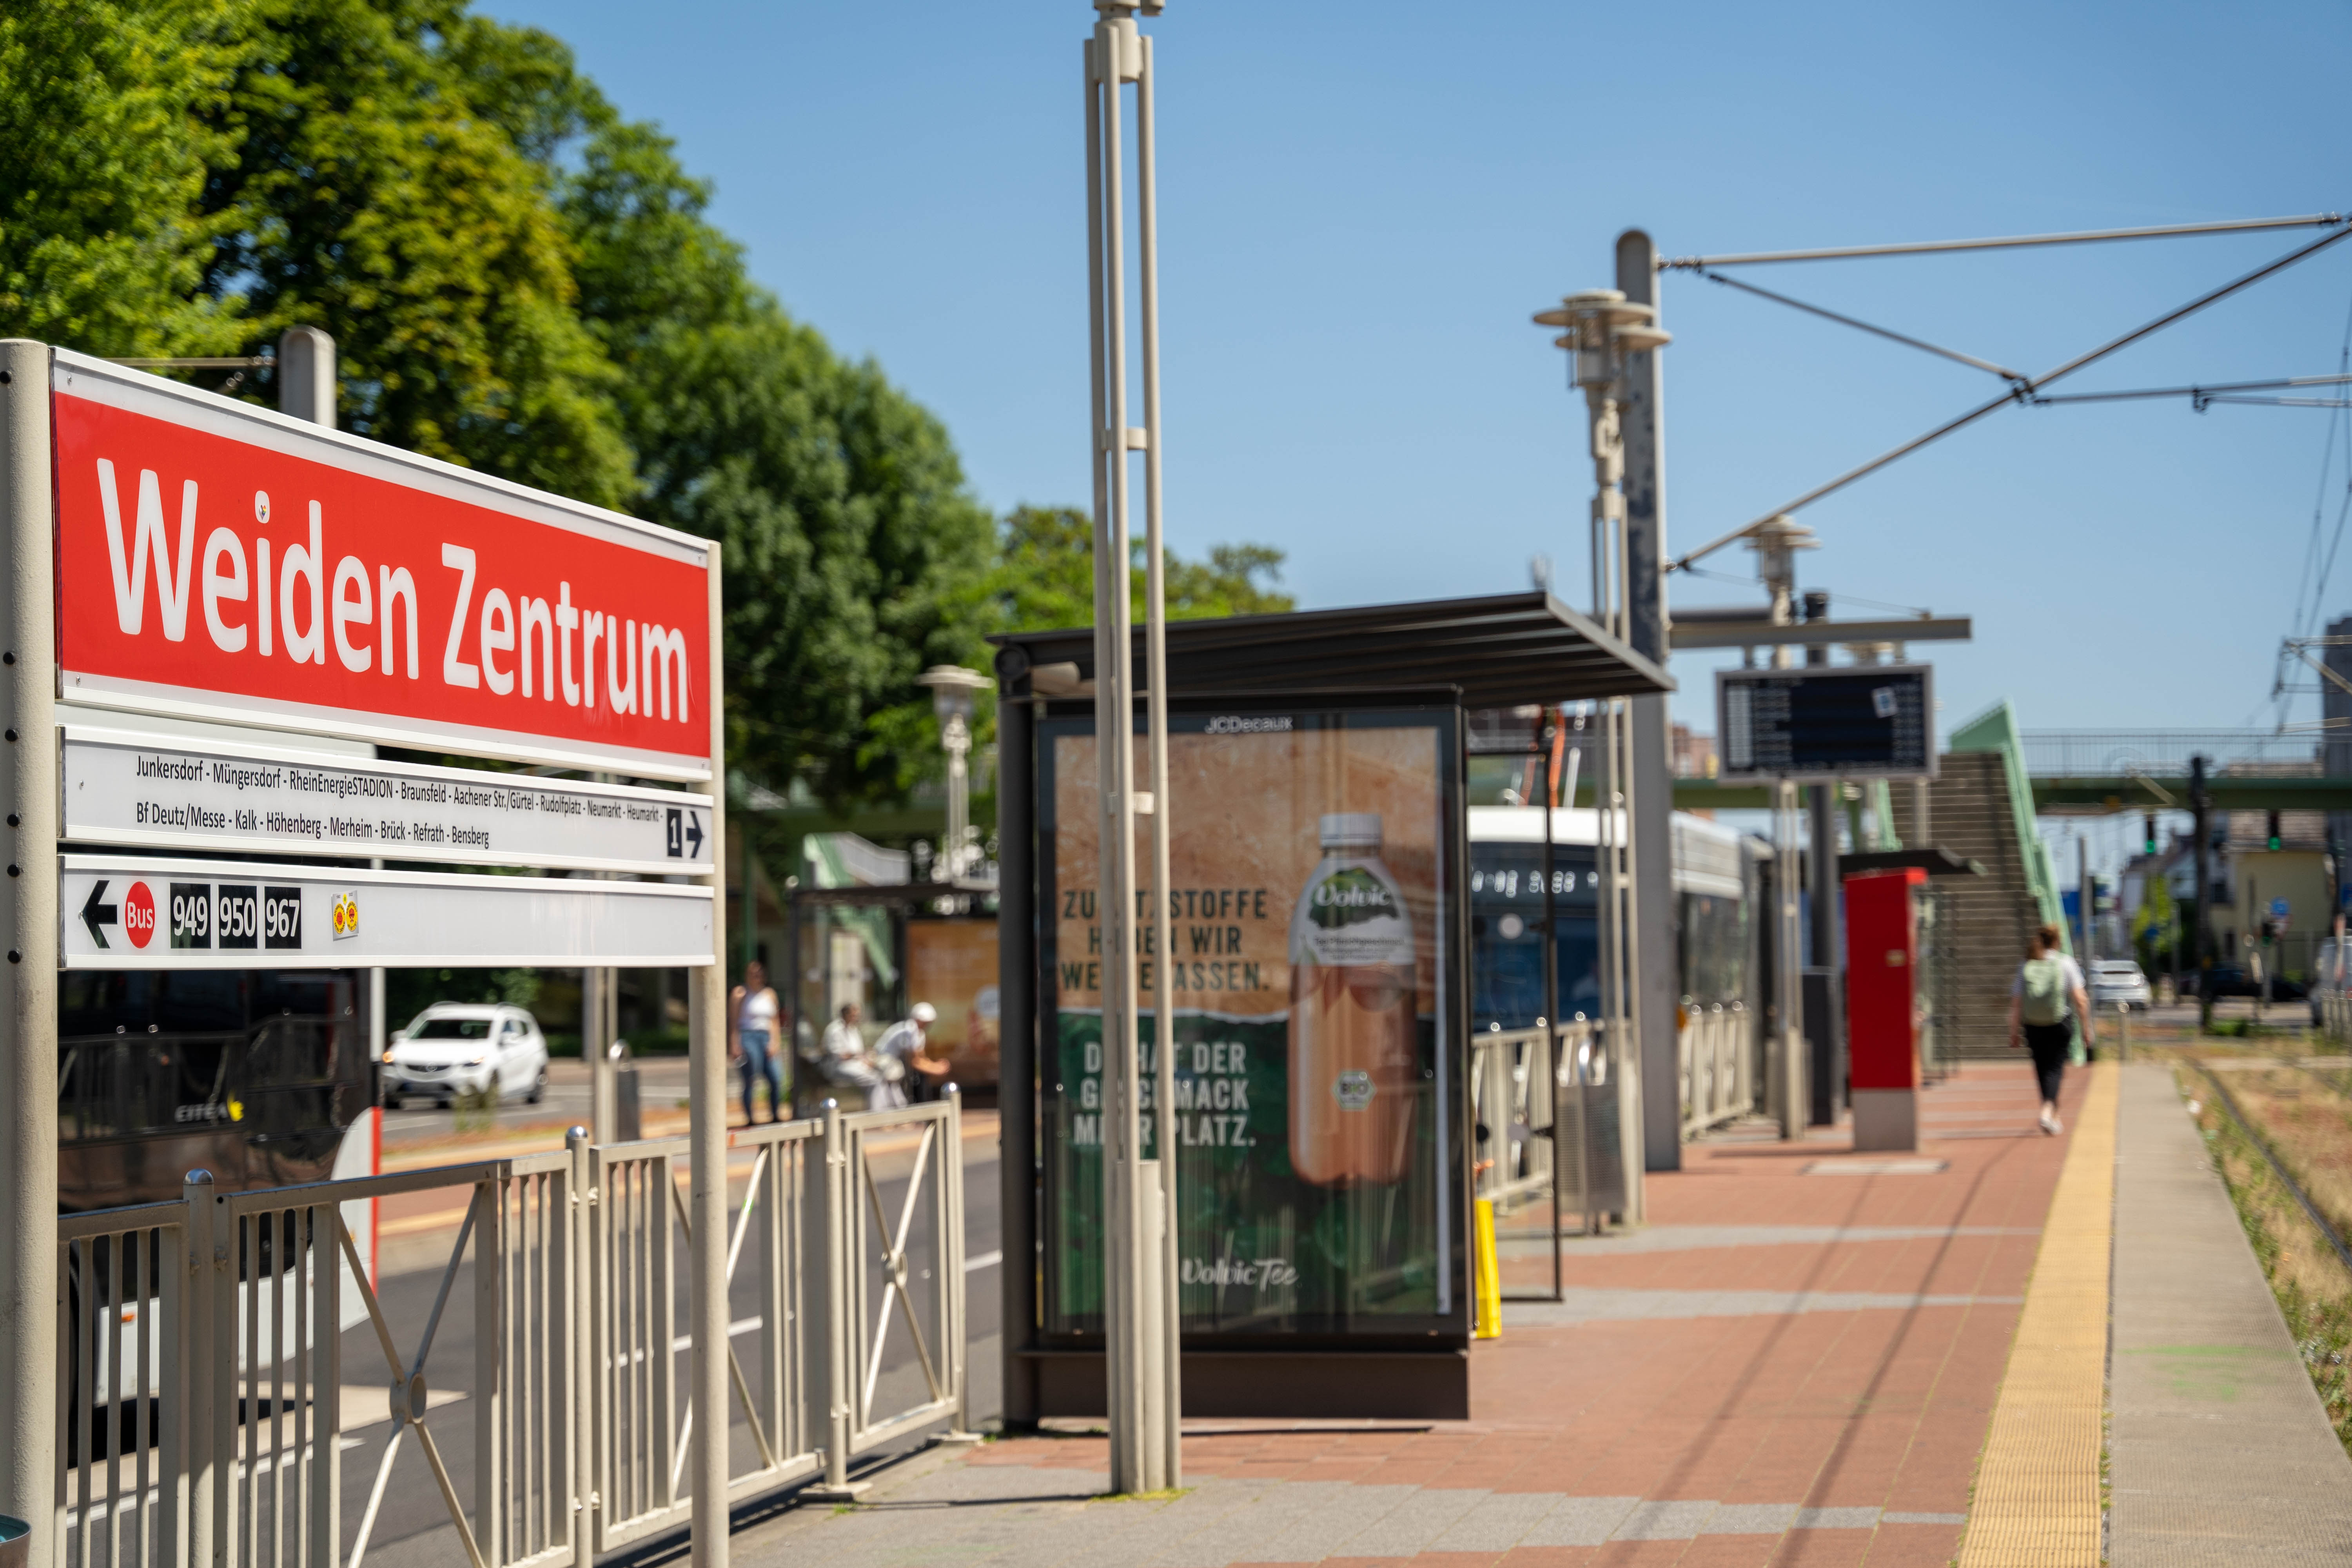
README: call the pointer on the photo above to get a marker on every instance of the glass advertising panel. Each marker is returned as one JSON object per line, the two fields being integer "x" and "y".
{"x": 1314, "y": 915}
{"x": 951, "y": 965}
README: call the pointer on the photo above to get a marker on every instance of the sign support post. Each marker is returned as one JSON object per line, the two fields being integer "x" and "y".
{"x": 1144, "y": 1398}
{"x": 28, "y": 1027}
{"x": 707, "y": 1092}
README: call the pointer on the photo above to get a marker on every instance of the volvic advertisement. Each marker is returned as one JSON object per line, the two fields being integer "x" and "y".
{"x": 1309, "y": 856}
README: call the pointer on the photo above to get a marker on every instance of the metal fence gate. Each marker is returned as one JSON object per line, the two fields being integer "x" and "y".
{"x": 207, "y": 1389}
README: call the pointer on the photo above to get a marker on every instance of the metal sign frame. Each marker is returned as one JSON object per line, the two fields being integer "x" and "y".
{"x": 38, "y": 598}
{"x": 1856, "y": 674}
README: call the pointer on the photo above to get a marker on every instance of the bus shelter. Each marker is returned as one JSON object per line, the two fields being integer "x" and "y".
{"x": 1320, "y": 914}
{"x": 885, "y": 948}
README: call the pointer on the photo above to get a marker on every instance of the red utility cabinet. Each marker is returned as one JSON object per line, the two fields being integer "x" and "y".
{"x": 1882, "y": 1004}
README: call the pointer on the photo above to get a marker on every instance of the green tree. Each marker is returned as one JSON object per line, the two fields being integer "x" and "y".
{"x": 2155, "y": 924}
{"x": 108, "y": 129}
{"x": 854, "y": 550}
{"x": 390, "y": 182}
{"x": 1044, "y": 575}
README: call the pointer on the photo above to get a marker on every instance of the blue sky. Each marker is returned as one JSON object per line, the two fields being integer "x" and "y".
{"x": 1362, "y": 206}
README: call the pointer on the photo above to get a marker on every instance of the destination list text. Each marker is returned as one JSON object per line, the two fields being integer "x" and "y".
{"x": 369, "y": 808}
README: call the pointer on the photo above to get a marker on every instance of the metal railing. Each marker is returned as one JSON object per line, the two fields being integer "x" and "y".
{"x": 202, "y": 1404}
{"x": 1513, "y": 1079}
{"x": 2113, "y": 753}
{"x": 1717, "y": 1044}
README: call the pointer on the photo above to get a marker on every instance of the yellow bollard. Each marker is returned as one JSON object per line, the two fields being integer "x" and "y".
{"x": 1487, "y": 1283}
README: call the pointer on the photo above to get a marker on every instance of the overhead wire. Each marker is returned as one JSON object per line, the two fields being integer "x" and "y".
{"x": 2019, "y": 392}
{"x": 1828, "y": 315}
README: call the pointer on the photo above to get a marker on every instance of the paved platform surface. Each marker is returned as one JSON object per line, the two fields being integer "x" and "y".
{"x": 1789, "y": 1366}
{"x": 2221, "y": 1451}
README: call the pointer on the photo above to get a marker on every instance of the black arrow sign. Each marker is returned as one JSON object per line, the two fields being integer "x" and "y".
{"x": 693, "y": 834}
{"x": 95, "y": 914}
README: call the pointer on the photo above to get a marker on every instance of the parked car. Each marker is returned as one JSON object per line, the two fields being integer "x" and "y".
{"x": 455, "y": 1048}
{"x": 2118, "y": 981}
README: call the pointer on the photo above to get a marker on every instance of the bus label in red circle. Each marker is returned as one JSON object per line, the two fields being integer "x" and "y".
{"x": 139, "y": 914}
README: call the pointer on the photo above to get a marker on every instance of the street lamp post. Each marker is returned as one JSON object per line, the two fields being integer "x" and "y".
{"x": 952, "y": 687}
{"x": 1603, "y": 329}
{"x": 1139, "y": 1298}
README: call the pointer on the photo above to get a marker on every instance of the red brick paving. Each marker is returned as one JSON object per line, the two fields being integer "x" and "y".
{"x": 1884, "y": 1408}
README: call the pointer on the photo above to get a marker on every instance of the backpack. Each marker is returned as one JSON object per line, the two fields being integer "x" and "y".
{"x": 2044, "y": 992}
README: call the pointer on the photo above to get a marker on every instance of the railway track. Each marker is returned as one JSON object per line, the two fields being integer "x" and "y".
{"x": 2223, "y": 1098}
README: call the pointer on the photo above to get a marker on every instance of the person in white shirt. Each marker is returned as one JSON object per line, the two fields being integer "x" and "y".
{"x": 2046, "y": 983}
{"x": 902, "y": 1043}
{"x": 846, "y": 1060}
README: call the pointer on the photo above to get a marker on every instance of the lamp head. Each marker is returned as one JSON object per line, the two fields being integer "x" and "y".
{"x": 952, "y": 687}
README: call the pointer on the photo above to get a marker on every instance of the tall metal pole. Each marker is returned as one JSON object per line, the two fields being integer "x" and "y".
{"x": 28, "y": 1049}
{"x": 1140, "y": 1309}
{"x": 1165, "y": 1331}
{"x": 706, "y": 1138}
{"x": 2200, "y": 948}
{"x": 1825, "y": 1080}
{"x": 956, "y": 736}
{"x": 1641, "y": 423}
{"x": 2084, "y": 898}
{"x": 1776, "y": 565}
{"x": 306, "y": 390}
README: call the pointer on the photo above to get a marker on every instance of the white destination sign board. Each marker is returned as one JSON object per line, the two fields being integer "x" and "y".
{"x": 164, "y": 792}
{"x": 133, "y": 913}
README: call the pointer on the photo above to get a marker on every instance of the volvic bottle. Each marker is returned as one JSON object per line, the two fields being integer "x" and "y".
{"x": 1352, "y": 1077}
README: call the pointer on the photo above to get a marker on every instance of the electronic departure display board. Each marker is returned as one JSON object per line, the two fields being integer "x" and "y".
{"x": 1853, "y": 722}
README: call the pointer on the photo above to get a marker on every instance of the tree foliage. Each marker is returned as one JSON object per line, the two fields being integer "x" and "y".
{"x": 386, "y": 187}
{"x": 521, "y": 280}
{"x": 853, "y": 546}
{"x": 107, "y": 134}
{"x": 1044, "y": 577}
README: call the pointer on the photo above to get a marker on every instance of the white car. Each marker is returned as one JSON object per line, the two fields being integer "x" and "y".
{"x": 2117, "y": 981}
{"x": 455, "y": 1048}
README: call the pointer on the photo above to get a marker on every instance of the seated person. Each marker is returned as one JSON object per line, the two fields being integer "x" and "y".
{"x": 903, "y": 1044}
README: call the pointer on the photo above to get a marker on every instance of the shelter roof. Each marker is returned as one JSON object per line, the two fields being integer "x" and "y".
{"x": 1499, "y": 651}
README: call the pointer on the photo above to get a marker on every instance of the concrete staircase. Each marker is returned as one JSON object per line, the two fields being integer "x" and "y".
{"x": 1970, "y": 814}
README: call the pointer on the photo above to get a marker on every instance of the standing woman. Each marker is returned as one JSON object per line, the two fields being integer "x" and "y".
{"x": 2047, "y": 984}
{"x": 753, "y": 1013}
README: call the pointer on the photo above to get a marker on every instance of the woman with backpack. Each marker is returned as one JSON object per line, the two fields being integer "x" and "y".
{"x": 2048, "y": 982}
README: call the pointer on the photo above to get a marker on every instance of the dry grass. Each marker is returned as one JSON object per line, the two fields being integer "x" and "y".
{"x": 2307, "y": 1121}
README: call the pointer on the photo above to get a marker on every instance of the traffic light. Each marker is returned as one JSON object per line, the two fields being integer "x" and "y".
{"x": 2273, "y": 830}
{"x": 2148, "y": 834}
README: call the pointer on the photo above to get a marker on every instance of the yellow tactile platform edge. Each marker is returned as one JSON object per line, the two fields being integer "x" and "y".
{"x": 2037, "y": 1494}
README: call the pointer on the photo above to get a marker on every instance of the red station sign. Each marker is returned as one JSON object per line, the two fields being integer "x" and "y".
{"x": 223, "y": 562}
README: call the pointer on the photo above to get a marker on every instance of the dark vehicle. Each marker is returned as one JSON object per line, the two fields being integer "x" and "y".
{"x": 254, "y": 1075}
{"x": 2232, "y": 979}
